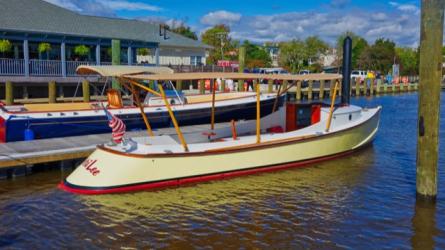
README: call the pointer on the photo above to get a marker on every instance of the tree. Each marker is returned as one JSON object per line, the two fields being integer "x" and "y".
{"x": 314, "y": 48}
{"x": 185, "y": 31}
{"x": 380, "y": 56}
{"x": 218, "y": 37}
{"x": 256, "y": 56}
{"x": 359, "y": 45}
{"x": 292, "y": 55}
{"x": 409, "y": 61}
{"x": 5, "y": 46}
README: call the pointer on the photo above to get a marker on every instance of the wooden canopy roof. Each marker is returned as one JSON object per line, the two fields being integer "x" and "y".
{"x": 119, "y": 70}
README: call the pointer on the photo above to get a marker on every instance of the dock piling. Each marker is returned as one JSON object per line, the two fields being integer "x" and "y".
{"x": 357, "y": 86}
{"x": 430, "y": 70}
{"x": 52, "y": 92}
{"x": 9, "y": 93}
{"x": 86, "y": 91}
{"x": 298, "y": 94}
{"x": 270, "y": 86}
{"x": 309, "y": 91}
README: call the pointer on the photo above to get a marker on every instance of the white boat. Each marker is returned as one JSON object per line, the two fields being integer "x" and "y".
{"x": 163, "y": 161}
{"x": 72, "y": 119}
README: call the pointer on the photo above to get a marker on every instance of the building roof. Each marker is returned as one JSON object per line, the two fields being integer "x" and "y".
{"x": 38, "y": 16}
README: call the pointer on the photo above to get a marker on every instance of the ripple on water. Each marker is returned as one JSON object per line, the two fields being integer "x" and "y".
{"x": 366, "y": 200}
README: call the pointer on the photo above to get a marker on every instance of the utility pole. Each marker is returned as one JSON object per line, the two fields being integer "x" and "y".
{"x": 430, "y": 69}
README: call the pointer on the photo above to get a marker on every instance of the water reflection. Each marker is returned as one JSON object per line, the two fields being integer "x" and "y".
{"x": 326, "y": 184}
{"x": 362, "y": 201}
{"x": 424, "y": 225}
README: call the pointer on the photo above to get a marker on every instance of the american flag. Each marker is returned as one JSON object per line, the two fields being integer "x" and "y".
{"x": 117, "y": 126}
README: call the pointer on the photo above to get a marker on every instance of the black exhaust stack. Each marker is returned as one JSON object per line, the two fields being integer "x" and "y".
{"x": 347, "y": 65}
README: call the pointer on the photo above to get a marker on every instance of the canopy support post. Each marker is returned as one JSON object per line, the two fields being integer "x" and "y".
{"x": 275, "y": 104}
{"x": 143, "y": 87}
{"x": 172, "y": 116}
{"x": 212, "y": 85}
{"x": 258, "y": 115}
{"x": 141, "y": 108}
{"x": 331, "y": 111}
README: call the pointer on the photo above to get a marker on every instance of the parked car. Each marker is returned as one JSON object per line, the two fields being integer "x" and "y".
{"x": 361, "y": 74}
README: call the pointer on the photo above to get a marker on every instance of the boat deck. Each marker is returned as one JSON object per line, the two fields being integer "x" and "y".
{"x": 25, "y": 153}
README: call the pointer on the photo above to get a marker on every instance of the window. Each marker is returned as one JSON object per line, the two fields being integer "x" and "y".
{"x": 196, "y": 60}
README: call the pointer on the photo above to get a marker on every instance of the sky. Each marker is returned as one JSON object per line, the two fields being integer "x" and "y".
{"x": 272, "y": 21}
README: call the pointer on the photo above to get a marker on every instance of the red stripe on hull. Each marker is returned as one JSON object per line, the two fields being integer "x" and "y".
{"x": 189, "y": 180}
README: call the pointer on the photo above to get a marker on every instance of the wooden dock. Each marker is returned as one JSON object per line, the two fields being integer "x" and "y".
{"x": 28, "y": 153}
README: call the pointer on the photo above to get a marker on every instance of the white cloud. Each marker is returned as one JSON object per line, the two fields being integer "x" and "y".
{"x": 220, "y": 17}
{"x": 127, "y": 5}
{"x": 103, "y": 7}
{"x": 404, "y": 7}
{"x": 402, "y": 27}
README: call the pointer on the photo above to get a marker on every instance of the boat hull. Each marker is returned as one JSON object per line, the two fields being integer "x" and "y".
{"x": 48, "y": 127}
{"x": 107, "y": 171}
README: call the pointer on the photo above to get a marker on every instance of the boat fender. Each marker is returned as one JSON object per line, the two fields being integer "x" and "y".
{"x": 172, "y": 101}
{"x": 29, "y": 134}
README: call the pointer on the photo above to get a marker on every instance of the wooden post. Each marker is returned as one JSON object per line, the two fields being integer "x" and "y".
{"x": 9, "y": 93}
{"x": 255, "y": 83}
{"x": 86, "y": 90}
{"x": 258, "y": 115}
{"x": 115, "y": 59}
{"x": 223, "y": 85}
{"x": 141, "y": 109}
{"x": 213, "y": 89}
{"x": 379, "y": 86}
{"x": 179, "y": 85}
{"x": 52, "y": 92}
{"x": 357, "y": 86}
{"x": 172, "y": 116}
{"x": 430, "y": 68}
{"x": 331, "y": 110}
{"x": 371, "y": 86}
{"x": 298, "y": 93}
{"x": 385, "y": 88}
{"x": 321, "y": 94}
{"x": 285, "y": 83}
{"x": 393, "y": 87}
{"x": 309, "y": 92}
{"x": 242, "y": 63}
{"x": 365, "y": 86}
{"x": 270, "y": 86}
{"x": 202, "y": 89}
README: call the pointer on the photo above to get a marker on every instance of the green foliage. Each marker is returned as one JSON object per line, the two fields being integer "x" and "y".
{"x": 359, "y": 45}
{"x": 297, "y": 54}
{"x": 44, "y": 47}
{"x": 5, "y": 46}
{"x": 408, "y": 59}
{"x": 380, "y": 56}
{"x": 292, "y": 55}
{"x": 185, "y": 31}
{"x": 218, "y": 37}
{"x": 256, "y": 56}
{"x": 314, "y": 48}
{"x": 143, "y": 51}
{"x": 81, "y": 50}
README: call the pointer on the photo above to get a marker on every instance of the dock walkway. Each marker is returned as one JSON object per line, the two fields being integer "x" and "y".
{"x": 28, "y": 153}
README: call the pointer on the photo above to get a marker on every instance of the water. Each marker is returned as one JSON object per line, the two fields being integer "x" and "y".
{"x": 364, "y": 201}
